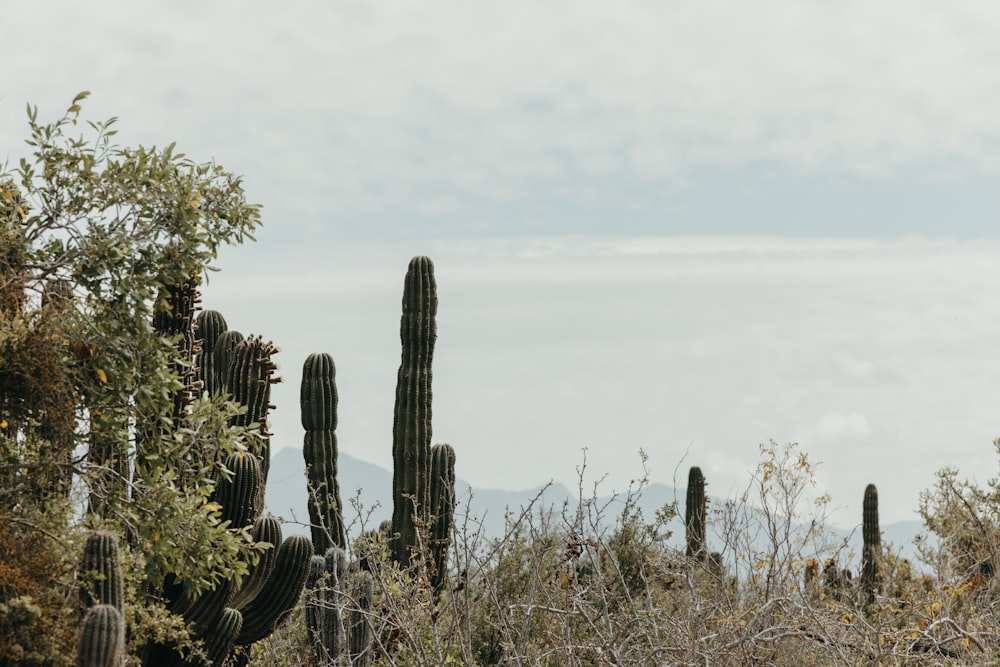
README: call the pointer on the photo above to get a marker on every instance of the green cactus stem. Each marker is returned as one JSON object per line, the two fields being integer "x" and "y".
{"x": 318, "y": 401}
{"x": 315, "y": 612}
{"x": 280, "y": 593}
{"x": 222, "y": 355}
{"x": 100, "y": 571}
{"x": 173, "y": 318}
{"x": 220, "y": 641}
{"x": 102, "y": 637}
{"x": 208, "y": 328}
{"x": 237, "y": 493}
{"x": 411, "y": 429}
{"x": 871, "y": 545}
{"x": 443, "y": 508}
{"x": 249, "y": 377}
{"x": 694, "y": 514}
{"x": 324, "y": 620}
{"x": 359, "y": 629}
{"x": 265, "y": 529}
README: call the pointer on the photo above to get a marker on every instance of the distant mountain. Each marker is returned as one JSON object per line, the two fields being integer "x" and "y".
{"x": 366, "y": 492}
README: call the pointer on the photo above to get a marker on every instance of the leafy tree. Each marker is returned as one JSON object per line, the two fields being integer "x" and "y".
{"x": 93, "y": 239}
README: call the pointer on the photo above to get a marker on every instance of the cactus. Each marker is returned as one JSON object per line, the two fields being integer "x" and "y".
{"x": 694, "y": 514}
{"x": 265, "y": 529}
{"x": 208, "y": 328}
{"x": 324, "y": 620}
{"x": 249, "y": 376}
{"x": 279, "y": 594}
{"x": 102, "y": 637}
{"x": 238, "y": 493}
{"x": 222, "y": 354}
{"x": 872, "y": 545}
{"x": 443, "y": 507}
{"x": 411, "y": 429}
{"x": 219, "y": 643}
{"x": 359, "y": 629}
{"x": 172, "y": 318}
{"x": 237, "y": 497}
{"x": 100, "y": 571}
{"x": 318, "y": 400}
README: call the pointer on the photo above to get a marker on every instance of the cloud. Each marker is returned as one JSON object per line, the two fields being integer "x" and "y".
{"x": 524, "y": 111}
{"x": 834, "y": 425}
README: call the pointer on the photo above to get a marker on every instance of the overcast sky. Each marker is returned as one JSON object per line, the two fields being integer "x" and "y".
{"x": 677, "y": 227}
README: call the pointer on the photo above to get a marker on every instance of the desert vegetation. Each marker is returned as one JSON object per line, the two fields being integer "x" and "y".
{"x": 135, "y": 445}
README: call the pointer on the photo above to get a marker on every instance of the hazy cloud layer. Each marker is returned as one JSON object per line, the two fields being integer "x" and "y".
{"x": 879, "y": 358}
{"x": 468, "y": 119}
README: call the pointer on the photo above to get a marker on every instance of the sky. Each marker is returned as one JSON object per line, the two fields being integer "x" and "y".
{"x": 681, "y": 228}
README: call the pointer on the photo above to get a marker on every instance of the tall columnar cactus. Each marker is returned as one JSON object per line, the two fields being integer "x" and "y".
{"x": 443, "y": 509}
{"x": 411, "y": 429}
{"x": 100, "y": 571}
{"x": 872, "y": 545}
{"x": 208, "y": 328}
{"x": 694, "y": 514}
{"x": 102, "y": 637}
{"x": 318, "y": 400}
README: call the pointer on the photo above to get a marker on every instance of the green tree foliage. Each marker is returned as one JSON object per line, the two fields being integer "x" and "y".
{"x": 92, "y": 238}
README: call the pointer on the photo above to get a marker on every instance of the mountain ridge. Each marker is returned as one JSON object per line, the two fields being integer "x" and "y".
{"x": 482, "y": 513}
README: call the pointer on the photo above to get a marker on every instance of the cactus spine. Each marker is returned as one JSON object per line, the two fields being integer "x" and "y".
{"x": 318, "y": 400}
{"x": 411, "y": 429}
{"x": 694, "y": 514}
{"x": 443, "y": 507}
{"x": 102, "y": 637}
{"x": 872, "y": 545}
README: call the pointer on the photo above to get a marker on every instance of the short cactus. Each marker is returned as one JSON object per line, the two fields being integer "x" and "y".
{"x": 100, "y": 571}
{"x": 219, "y": 642}
{"x": 359, "y": 628}
{"x": 102, "y": 637}
{"x": 209, "y": 327}
{"x": 324, "y": 621}
{"x": 443, "y": 509}
{"x": 694, "y": 514}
